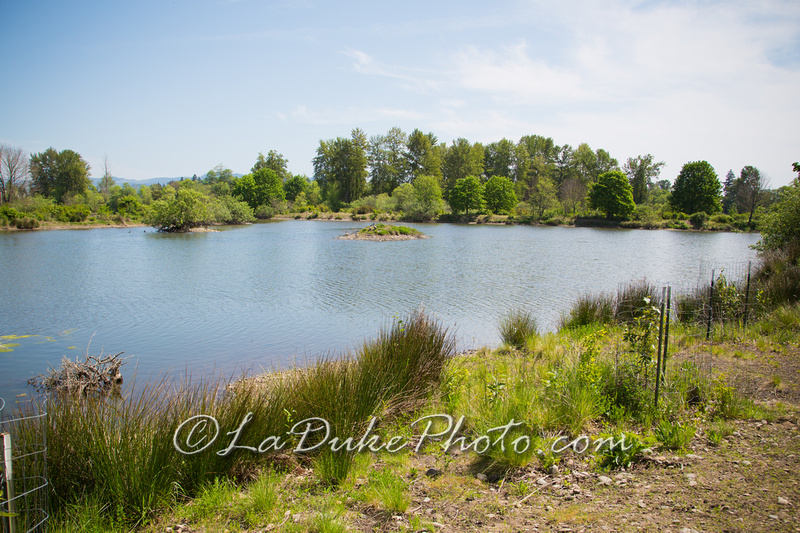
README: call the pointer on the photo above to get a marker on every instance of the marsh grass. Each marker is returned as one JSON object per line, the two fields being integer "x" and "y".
{"x": 517, "y": 328}
{"x": 118, "y": 452}
{"x": 589, "y": 310}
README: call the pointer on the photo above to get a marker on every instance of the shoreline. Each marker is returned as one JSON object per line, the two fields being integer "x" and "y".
{"x": 490, "y": 220}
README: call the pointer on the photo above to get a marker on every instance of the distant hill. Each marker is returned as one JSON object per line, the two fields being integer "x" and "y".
{"x": 163, "y": 181}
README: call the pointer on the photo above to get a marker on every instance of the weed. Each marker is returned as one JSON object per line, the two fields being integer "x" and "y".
{"x": 622, "y": 450}
{"x": 673, "y": 435}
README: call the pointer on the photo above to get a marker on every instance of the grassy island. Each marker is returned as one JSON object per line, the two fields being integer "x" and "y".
{"x": 385, "y": 232}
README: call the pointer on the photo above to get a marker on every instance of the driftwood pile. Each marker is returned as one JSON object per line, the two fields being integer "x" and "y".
{"x": 95, "y": 375}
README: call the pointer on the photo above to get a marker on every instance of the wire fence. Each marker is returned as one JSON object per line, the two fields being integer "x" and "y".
{"x": 23, "y": 467}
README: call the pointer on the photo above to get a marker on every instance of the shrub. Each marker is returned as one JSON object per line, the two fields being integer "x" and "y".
{"x": 698, "y": 220}
{"x": 26, "y": 223}
{"x": 778, "y": 275}
{"x": 627, "y": 448}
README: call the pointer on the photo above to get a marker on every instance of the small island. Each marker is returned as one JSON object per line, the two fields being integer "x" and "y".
{"x": 385, "y": 232}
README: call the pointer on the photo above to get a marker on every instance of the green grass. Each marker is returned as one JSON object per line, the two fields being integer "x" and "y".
{"x": 388, "y": 230}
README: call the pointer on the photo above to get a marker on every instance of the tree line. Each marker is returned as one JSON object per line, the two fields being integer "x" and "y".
{"x": 415, "y": 175}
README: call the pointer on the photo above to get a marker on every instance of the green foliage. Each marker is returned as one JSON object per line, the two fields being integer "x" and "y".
{"x": 428, "y": 199}
{"x": 499, "y": 194}
{"x": 674, "y": 436}
{"x": 629, "y": 448}
{"x": 294, "y": 186}
{"x": 467, "y": 193}
{"x": 781, "y": 225}
{"x": 696, "y": 189}
{"x": 59, "y": 174}
{"x": 262, "y": 187}
{"x": 188, "y": 209}
{"x": 340, "y": 168}
{"x": 698, "y": 220}
{"x": 517, "y": 328}
{"x": 613, "y": 195}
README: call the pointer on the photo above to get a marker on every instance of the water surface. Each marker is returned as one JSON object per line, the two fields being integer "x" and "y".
{"x": 267, "y": 295}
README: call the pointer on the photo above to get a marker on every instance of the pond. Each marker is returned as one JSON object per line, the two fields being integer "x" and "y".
{"x": 271, "y": 294}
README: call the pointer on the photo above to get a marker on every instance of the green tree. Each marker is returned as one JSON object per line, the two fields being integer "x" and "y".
{"x": 428, "y": 197}
{"x": 294, "y": 186}
{"x": 424, "y": 155}
{"x": 612, "y": 194}
{"x": 750, "y": 191}
{"x": 259, "y": 188}
{"x": 542, "y": 195}
{"x": 696, "y": 188}
{"x": 498, "y": 193}
{"x": 780, "y": 226}
{"x": 729, "y": 192}
{"x": 275, "y": 162}
{"x": 187, "y": 209}
{"x": 218, "y": 174}
{"x": 461, "y": 160}
{"x": 59, "y": 174}
{"x": 642, "y": 173}
{"x": 467, "y": 194}
{"x": 340, "y": 168}
{"x": 387, "y": 161}
{"x": 499, "y": 159}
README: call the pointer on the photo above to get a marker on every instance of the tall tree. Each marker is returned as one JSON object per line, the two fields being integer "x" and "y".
{"x": 340, "y": 168}
{"x": 729, "y": 192}
{"x": 499, "y": 159}
{"x": 218, "y": 174}
{"x": 460, "y": 160}
{"x": 13, "y": 172}
{"x": 542, "y": 195}
{"x": 572, "y": 194}
{"x": 642, "y": 172}
{"x": 750, "y": 189}
{"x": 612, "y": 194}
{"x": 106, "y": 181}
{"x": 696, "y": 189}
{"x": 59, "y": 174}
{"x": 424, "y": 155}
{"x": 388, "y": 161}
{"x": 273, "y": 161}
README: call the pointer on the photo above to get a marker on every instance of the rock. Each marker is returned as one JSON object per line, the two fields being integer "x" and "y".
{"x": 604, "y": 480}
{"x": 553, "y": 470}
{"x": 541, "y": 481}
{"x": 782, "y": 501}
{"x": 687, "y": 530}
{"x": 746, "y": 463}
{"x": 773, "y": 517}
{"x": 481, "y": 477}
{"x": 433, "y": 473}
{"x": 693, "y": 456}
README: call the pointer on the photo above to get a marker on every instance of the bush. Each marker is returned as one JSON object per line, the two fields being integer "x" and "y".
{"x": 26, "y": 223}
{"x": 698, "y": 220}
{"x": 778, "y": 275}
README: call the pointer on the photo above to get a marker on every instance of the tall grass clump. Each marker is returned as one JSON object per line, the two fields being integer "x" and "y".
{"x": 119, "y": 452}
{"x": 517, "y": 327}
{"x": 631, "y": 298}
{"x": 589, "y": 310}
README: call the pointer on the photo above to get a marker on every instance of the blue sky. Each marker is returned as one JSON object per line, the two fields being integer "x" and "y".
{"x": 176, "y": 88}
